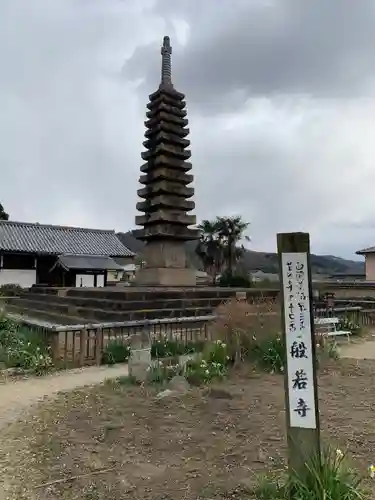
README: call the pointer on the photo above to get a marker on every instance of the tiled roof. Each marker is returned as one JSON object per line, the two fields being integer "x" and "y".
{"x": 93, "y": 262}
{"x": 366, "y": 250}
{"x": 47, "y": 239}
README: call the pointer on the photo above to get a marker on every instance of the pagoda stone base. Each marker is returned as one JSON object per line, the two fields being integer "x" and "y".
{"x": 164, "y": 276}
{"x": 165, "y": 265}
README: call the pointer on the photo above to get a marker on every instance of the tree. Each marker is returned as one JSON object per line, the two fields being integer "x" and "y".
{"x": 209, "y": 248}
{"x": 3, "y": 214}
{"x": 218, "y": 244}
{"x": 232, "y": 231}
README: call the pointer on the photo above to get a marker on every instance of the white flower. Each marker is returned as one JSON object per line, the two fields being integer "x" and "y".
{"x": 372, "y": 471}
{"x": 339, "y": 454}
{"x": 224, "y": 345}
{"x": 207, "y": 372}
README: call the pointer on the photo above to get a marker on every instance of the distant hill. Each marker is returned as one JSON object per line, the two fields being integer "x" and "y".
{"x": 263, "y": 261}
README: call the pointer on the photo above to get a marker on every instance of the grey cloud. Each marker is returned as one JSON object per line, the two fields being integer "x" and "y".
{"x": 71, "y": 124}
{"x": 319, "y": 48}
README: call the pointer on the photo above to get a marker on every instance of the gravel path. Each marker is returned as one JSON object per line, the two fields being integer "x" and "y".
{"x": 18, "y": 395}
{"x": 358, "y": 350}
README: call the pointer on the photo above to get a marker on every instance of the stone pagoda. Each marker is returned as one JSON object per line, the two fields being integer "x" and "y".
{"x": 167, "y": 190}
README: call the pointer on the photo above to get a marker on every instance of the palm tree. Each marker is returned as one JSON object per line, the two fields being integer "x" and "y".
{"x": 231, "y": 230}
{"x": 210, "y": 248}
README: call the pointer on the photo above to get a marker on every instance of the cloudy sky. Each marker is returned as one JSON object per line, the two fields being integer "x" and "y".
{"x": 280, "y": 98}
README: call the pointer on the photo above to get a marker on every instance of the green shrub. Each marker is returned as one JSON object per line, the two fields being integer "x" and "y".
{"x": 235, "y": 280}
{"x": 23, "y": 348}
{"x": 115, "y": 351}
{"x": 329, "y": 479}
{"x": 200, "y": 371}
{"x": 348, "y": 324}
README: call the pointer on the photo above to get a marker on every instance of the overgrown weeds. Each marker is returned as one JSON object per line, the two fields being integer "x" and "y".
{"x": 166, "y": 348}
{"x": 328, "y": 479}
{"x": 239, "y": 323}
{"x": 253, "y": 332}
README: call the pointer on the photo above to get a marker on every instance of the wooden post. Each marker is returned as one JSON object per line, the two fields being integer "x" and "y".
{"x": 82, "y": 346}
{"x": 54, "y": 338}
{"x": 302, "y": 412}
{"x": 99, "y": 345}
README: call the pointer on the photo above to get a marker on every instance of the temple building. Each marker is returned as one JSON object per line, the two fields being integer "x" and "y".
{"x": 167, "y": 192}
{"x": 63, "y": 256}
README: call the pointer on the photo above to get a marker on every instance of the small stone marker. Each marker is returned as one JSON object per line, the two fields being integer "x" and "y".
{"x": 303, "y": 429}
{"x": 140, "y": 356}
{"x": 241, "y": 296}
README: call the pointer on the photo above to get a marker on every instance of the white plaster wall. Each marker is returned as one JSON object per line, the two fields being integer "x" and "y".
{"x": 100, "y": 280}
{"x": 23, "y": 277}
{"x": 85, "y": 280}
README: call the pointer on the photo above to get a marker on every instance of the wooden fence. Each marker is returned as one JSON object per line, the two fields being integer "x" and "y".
{"x": 81, "y": 345}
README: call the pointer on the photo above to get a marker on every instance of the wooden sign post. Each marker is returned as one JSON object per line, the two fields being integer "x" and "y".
{"x": 302, "y": 412}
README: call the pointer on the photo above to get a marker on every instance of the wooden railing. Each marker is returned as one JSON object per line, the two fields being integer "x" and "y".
{"x": 81, "y": 345}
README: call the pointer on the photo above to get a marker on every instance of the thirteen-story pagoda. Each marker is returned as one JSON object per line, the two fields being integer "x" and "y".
{"x": 167, "y": 190}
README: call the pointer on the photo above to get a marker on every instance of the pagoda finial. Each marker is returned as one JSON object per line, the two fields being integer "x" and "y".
{"x": 166, "y": 65}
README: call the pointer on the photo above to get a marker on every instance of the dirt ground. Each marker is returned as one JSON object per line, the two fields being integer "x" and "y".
{"x": 194, "y": 447}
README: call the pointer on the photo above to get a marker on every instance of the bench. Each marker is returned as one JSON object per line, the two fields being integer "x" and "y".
{"x": 329, "y": 327}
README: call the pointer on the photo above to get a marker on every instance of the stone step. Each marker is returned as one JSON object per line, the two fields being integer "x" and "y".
{"x": 121, "y": 305}
{"x": 140, "y": 294}
{"x": 103, "y": 316}
{"x": 47, "y": 316}
{"x": 100, "y": 314}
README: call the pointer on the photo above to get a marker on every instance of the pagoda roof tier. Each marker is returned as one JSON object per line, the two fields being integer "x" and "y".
{"x": 166, "y": 161}
{"x": 169, "y": 128}
{"x": 165, "y": 211}
{"x": 168, "y": 91}
{"x": 167, "y": 150}
{"x": 167, "y": 117}
{"x": 165, "y": 201}
{"x": 163, "y": 173}
{"x": 164, "y": 137}
{"x": 166, "y": 232}
{"x": 165, "y": 98}
{"x": 165, "y": 187}
{"x": 166, "y": 108}
{"x": 162, "y": 216}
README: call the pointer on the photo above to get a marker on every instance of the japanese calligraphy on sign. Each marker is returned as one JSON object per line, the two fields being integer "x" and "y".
{"x": 298, "y": 340}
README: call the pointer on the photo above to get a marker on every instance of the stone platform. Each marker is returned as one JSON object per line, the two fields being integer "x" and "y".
{"x": 112, "y": 304}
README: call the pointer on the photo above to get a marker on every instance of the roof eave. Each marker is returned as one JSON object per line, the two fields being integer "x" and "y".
{"x": 365, "y": 251}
